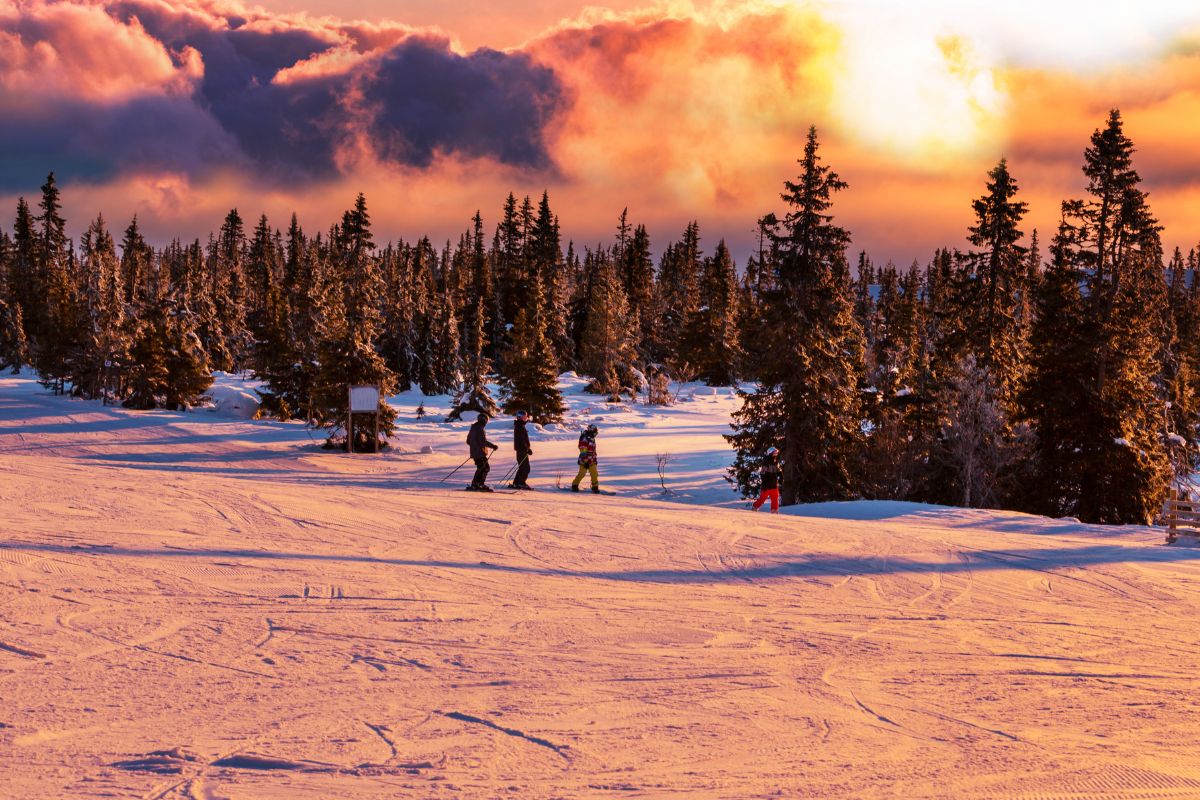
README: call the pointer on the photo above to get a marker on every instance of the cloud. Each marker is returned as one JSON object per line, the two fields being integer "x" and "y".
{"x": 681, "y": 110}
{"x": 97, "y": 88}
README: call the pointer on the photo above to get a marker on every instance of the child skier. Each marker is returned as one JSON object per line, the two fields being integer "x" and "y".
{"x": 524, "y": 451}
{"x": 769, "y": 481}
{"x": 587, "y": 459}
{"x": 477, "y": 441}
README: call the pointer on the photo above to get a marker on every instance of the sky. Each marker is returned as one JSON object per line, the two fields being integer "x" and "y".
{"x": 178, "y": 111}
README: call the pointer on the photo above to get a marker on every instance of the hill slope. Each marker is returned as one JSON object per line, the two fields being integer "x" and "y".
{"x": 197, "y": 606}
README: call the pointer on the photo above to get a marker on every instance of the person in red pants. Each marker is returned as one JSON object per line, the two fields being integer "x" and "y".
{"x": 769, "y": 476}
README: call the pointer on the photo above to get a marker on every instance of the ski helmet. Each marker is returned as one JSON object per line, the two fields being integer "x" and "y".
{"x": 482, "y": 417}
{"x": 591, "y": 430}
{"x": 521, "y": 415}
{"x": 772, "y": 451}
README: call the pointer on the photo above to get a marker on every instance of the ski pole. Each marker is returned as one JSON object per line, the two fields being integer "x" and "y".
{"x": 456, "y": 469}
{"x": 512, "y": 471}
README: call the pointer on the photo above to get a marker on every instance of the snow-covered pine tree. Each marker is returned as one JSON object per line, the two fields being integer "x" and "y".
{"x": 310, "y": 298}
{"x": 276, "y": 353}
{"x": 635, "y": 266}
{"x": 59, "y": 339}
{"x": 710, "y": 341}
{"x": 106, "y": 341}
{"x": 441, "y": 362}
{"x": 530, "y": 382}
{"x": 227, "y": 256}
{"x": 979, "y": 329}
{"x": 347, "y": 352}
{"x": 473, "y": 393}
{"x": 893, "y": 368}
{"x": 14, "y": 350}
{"x": 973, "y": 449}
{"x": 265, "y": 300}
{"x": 26, "y": 282}
{"x": 136, "y": 255}
{"x": 401, "y": 305}
{"x": 679, "y": 274}
{"x": 1180, "y": 329}
{"x": 808, "y": 402}
{"x": 169, "y": 367}
{"x": 551, "y": 273}
{"x": 606, "y": 351}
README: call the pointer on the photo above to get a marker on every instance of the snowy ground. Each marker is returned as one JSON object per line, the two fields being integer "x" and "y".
{"x": 195, "y": 605}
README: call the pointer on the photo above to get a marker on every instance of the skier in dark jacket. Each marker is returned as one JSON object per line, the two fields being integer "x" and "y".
{"x": 587, "y": 459}
{"x": 521, "y": 445}
{"x": 477, "y": 441}
{"x": 769, "y": 475}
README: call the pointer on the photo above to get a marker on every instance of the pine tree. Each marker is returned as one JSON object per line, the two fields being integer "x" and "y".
{"x": 756, "y": 337}
{"x": 227, "y": 255}
{"x": 14, "y": 350}
{"x": 169, "y": 368}
{"x": 1113, "y": 239}
{"x": 26, "y": 283}
{"x": 895, "y": 457}
{"x": 441, "y": 364}
{"x": 106, "y": 341}
{"x": 999, "y": 272}
{"x": 710, "y": 341}
{"x": 678, "y": 281}
{"x": 135, "y": 258}
{"x": 60, "y": 331}
{"x": 808, "y": 401}
{"x": 348, "y": 351}
{"x": 551, "y": 274}
{"x": 473, "y": 393}
{"x": 402, "y": 305}
{"x": 606, "y": 348}
{"x": 530, "y": 382}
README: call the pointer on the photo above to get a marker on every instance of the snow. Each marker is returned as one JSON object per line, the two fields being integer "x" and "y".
{"x": 199, "y": 606}
{"x": 229, "y": 399}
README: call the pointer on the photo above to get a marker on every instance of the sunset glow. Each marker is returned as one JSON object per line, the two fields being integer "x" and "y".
{"x": 679, "y": 111}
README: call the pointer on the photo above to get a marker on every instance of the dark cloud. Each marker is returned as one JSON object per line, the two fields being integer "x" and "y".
{"x": 91, "y": 142}
{"x": 485, "y": 104}
{"x": 408, "y": 102}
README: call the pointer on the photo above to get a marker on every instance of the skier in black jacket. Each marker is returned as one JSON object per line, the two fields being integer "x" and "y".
{"x": 521, "y": 445}
{"x": 477, "y": 441}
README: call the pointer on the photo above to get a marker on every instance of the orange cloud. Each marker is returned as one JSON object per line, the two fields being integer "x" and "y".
{"x": 83, "y": 52}
{"x": 678, "y": 112}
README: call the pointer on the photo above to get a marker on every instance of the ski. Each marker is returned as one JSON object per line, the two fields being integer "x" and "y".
{"x": 586, "y": 491}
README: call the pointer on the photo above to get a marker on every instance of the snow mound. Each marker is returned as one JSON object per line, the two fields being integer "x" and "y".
{"x": 232, "y": 401}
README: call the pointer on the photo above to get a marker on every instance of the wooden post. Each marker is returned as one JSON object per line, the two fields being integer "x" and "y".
{"x": 1172, "y": 514}
{"x": 368, "y": 396}
{"x": 350, "y": 420}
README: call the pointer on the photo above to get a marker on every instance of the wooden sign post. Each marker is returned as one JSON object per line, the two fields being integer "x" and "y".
{"x": 364, "y": 399}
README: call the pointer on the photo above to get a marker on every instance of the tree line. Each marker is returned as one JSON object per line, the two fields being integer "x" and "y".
{"x": 1061, "y": 382}
{"x": 309, "y": 314}
{"x": 1059, "y": 379}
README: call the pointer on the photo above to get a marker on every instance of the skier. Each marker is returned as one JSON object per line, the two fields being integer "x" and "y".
{"x": 769, "y": 481}
{"x": 477, "y": 441}
{"x": 524, "y": 451}
{"x": 587, "y": 459}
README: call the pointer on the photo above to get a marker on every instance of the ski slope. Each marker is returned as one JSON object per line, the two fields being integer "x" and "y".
{"x": 200, "y": 606}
